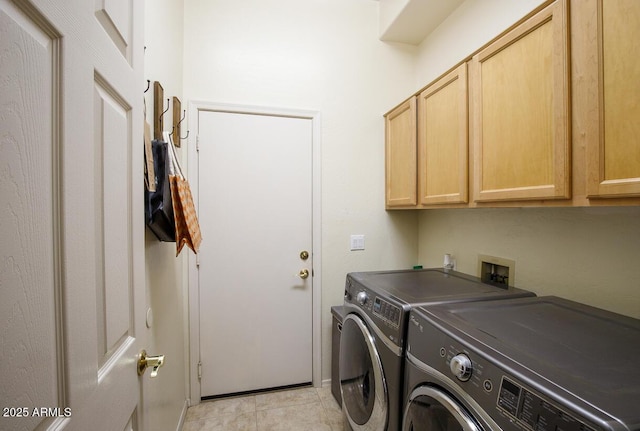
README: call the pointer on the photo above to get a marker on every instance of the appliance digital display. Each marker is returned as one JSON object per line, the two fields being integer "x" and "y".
{"x": 376, "y": 305}
{"x": 386, "y": 311}
{"x": 509, "y": 396}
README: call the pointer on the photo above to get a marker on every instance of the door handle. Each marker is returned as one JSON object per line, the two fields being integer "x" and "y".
{"x": 145, "y": 361}
{"x": 304, "y": 273}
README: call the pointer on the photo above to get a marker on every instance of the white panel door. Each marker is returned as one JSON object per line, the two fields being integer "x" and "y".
{"x": 255, "y": 203}
{"x": 71, "y": 214}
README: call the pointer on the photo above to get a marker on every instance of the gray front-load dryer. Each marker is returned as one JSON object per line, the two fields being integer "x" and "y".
{"x": 372, "y": 343}
{"x": 527, "y": 364}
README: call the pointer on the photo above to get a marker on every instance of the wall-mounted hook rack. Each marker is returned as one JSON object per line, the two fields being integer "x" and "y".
{"x": 158, "y": 115}
{"x": 176, "y": 120}
{"x": 158, "y": 110}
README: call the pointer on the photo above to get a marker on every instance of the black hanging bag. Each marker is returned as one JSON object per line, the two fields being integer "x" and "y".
{"x": 158, "y": 205}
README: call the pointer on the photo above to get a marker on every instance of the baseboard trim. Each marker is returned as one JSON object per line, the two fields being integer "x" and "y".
{"x": 183, "y": 415}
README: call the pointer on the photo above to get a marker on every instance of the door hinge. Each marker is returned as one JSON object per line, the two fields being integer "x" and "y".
{"x": 198, "y": 144}
{"x": 197, "y": 261}
{"x": 199, "y": 370}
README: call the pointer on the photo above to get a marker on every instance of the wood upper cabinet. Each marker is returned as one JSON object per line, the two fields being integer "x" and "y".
{"x": 613, "y": 144}
{"x": 520, "y": 111}
{"x": 443, "y": 140}
{"x": 401, "y": 156}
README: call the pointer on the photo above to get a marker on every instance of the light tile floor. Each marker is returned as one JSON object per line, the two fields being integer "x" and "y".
{"x": 303, "y": 409}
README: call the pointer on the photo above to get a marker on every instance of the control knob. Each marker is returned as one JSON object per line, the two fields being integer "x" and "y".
{"x": 461, "y": 367}
{"x": 362, "y": 297}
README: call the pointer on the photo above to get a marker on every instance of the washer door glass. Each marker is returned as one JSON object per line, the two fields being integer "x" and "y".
{"x": 364, "y": 394}
{"x": 430, "y": 409}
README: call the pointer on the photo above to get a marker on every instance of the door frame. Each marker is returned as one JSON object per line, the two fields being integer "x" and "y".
{"x": 195, "y": 106}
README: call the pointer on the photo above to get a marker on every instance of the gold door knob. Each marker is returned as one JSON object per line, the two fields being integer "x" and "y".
{"x": 304, "y": 255}
{"x": 304, "y": 273}
{"x": 145, "y": 362}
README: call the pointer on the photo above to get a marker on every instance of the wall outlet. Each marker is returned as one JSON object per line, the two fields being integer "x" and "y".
{"x": 497, "y": 271}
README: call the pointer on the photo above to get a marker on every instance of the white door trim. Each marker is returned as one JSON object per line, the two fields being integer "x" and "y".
{"x": 195, "y": 107}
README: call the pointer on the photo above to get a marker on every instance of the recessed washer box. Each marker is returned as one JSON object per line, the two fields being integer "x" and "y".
{"x": 498, "y": 271}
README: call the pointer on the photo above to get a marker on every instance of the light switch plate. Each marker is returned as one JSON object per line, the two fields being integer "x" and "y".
{"x": 357, "y": 242}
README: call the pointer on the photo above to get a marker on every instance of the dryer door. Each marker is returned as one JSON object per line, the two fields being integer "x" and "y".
{"x": 431, "y": 409}
{"x": 364, "y": 391}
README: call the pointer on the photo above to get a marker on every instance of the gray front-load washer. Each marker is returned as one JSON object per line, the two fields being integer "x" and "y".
{"x": 373, "y": 335}
{"x": 527, "y": 364}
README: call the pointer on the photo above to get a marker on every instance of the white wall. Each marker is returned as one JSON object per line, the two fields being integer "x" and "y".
{"x": 585, "y": 254}
{"x": 323, "y": 56}
{"x": 165, "y": 396}
{"x": 588, "y": 255}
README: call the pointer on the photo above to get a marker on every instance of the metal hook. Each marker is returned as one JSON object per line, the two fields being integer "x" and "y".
{"x": 163, "y": 112}
{"x": 148, "y": 84}
{"x": 184, "y": 115}
{"x": 173, "y": 129}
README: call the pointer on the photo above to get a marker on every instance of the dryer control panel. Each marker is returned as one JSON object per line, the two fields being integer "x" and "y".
{"x": 386, "y": 311}
{"x": 533, "y": 411}
{"x": 387, "y": 315}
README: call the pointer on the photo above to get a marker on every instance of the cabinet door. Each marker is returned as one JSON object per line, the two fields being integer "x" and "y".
{"x": 521, "y": 123}
{"x": 613, "y": 148}
{"x": 443, "y": 140}
{"x": 401, "y": 165}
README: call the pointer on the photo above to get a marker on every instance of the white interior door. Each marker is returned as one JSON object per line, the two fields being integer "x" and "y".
{"x": 255, "y": 207}
{"x": 71, "y": 217}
